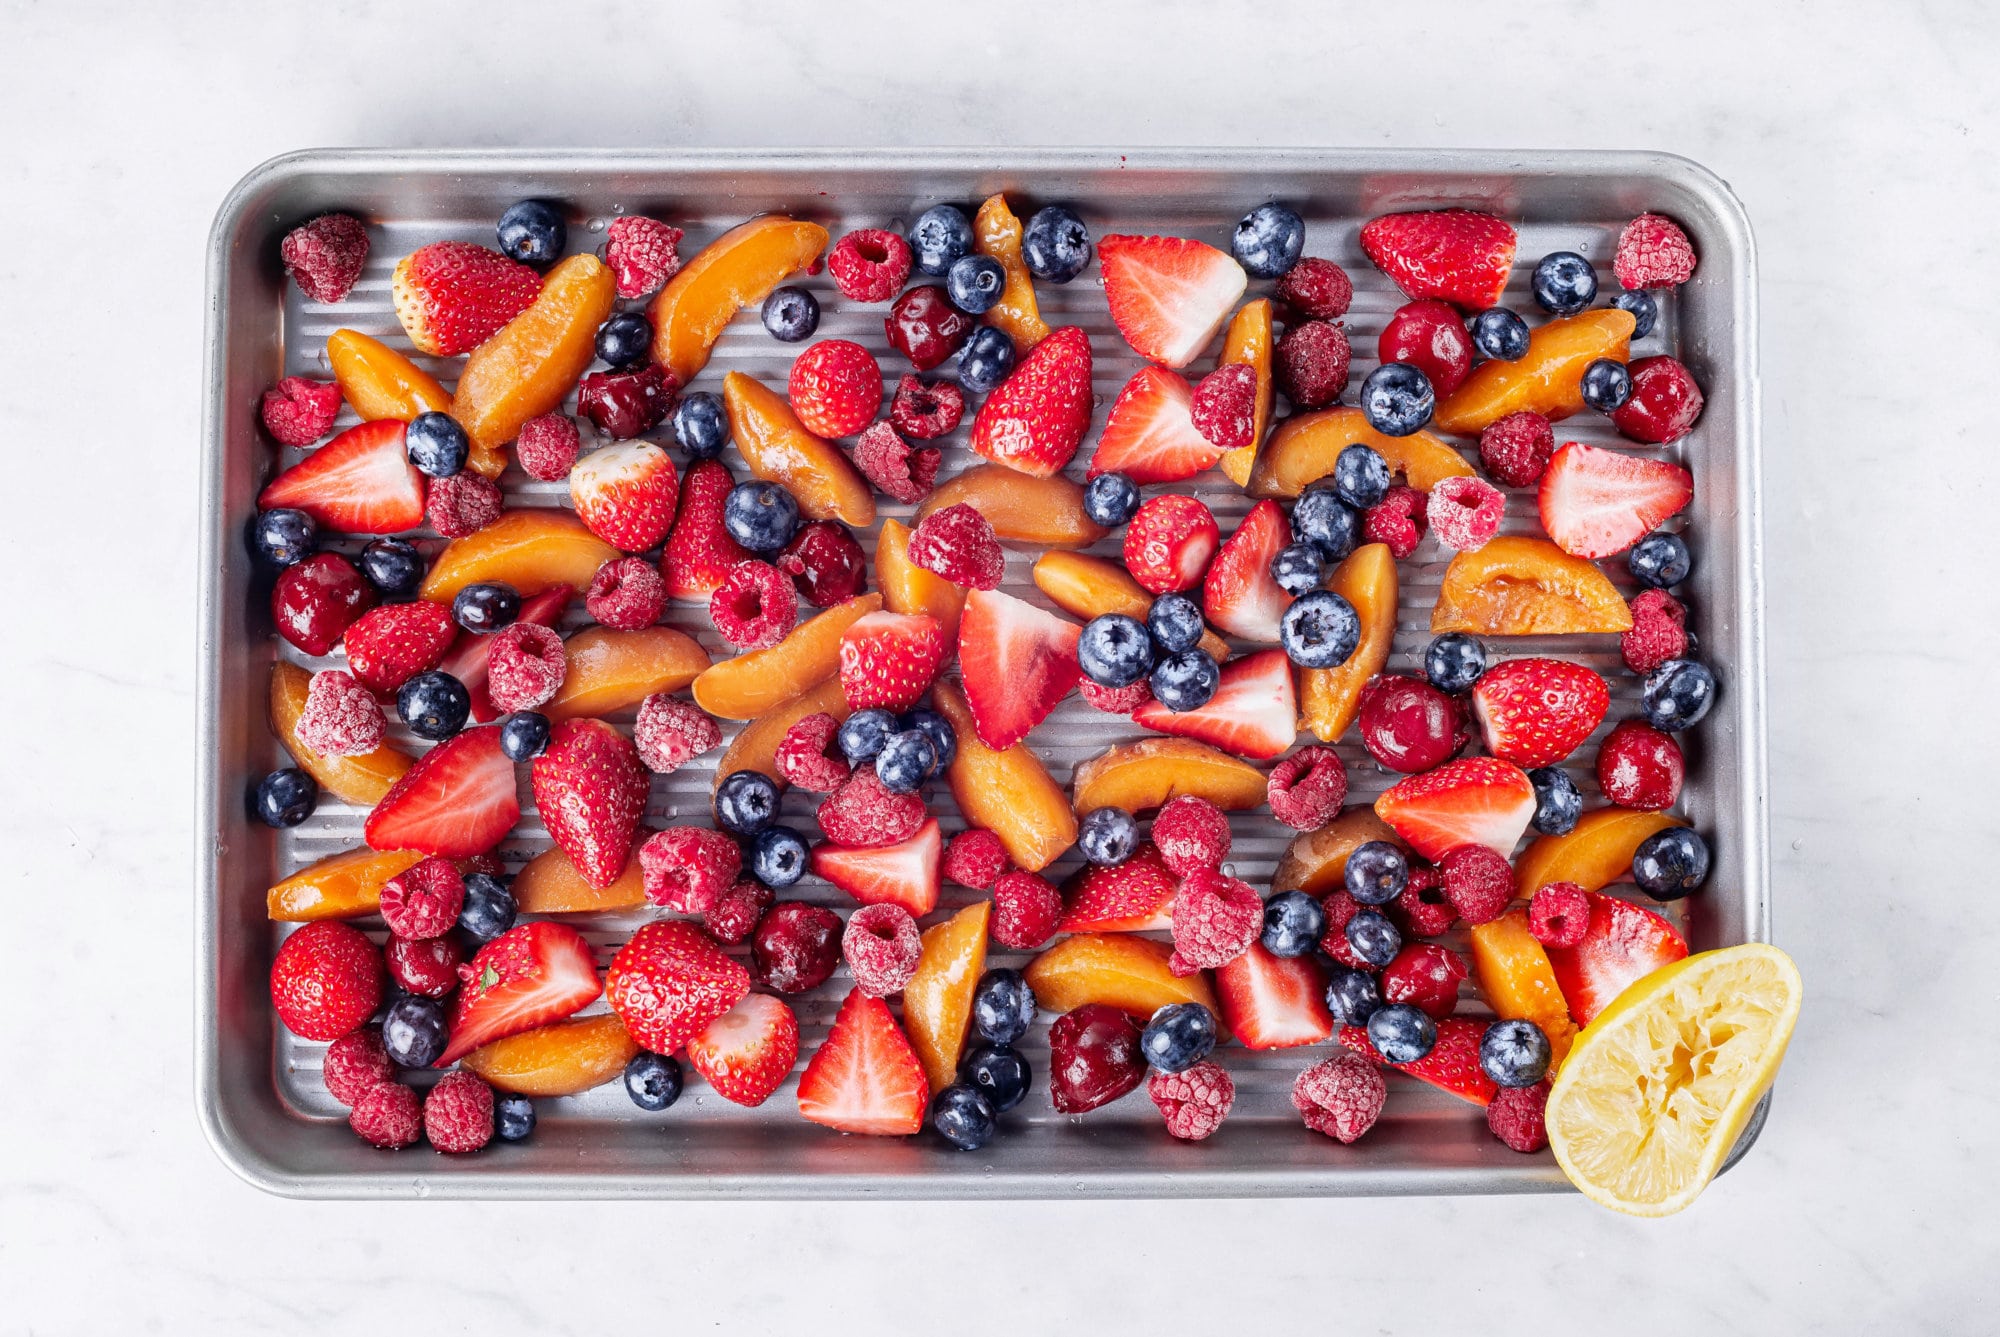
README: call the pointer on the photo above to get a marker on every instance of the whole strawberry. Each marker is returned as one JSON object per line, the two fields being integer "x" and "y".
{"x": 591, "y": 792}
{"x": 835, "y": 388}
{"x": 1169, "y": 542}
{"x": 1537, "y": 711}
{"x": 669, "y": 982}
{"x": 326, "y": 980}
{"x": 625, "y": 494}
{"x": 1036, "y": 419}
{"x": 389, "y": 645}
{"x": 452, "y": 295}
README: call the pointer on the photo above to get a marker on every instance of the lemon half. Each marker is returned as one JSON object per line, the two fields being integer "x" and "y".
{"x": 1657, "y": 1088}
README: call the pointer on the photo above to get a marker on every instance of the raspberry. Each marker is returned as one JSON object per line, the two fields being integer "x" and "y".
{"x": 881, "y": 944}
{"x": 627, "y": 593}
{"x": 356, "y": 1064}
{"x": 802, "y": 756}
{"x": 1116, "y": 700}
{"x": 1515, "y": 449}
{"x": 869, "y": 265}
{"x": 924, "y": 411}
{"x": 1421, "y": 909}
{"x": 796, "y": 947}
{"x": 1659, "y": 632}
{"x": 1316, "y": 289}
{"x": 669, "y": 732}
{"x": 325, "y": 256}
{"x": 1398, "y": 520}
{"x": 975, "y": 858}
{"x": 298, "y": 412}
{"x": 1559, "y": 914}
{"x": 735, "y": 914}
{"x": 1312, "y": 364}
{"x": 687, "y": 868}
{"x": 1191, "y": 834}
{"x": 458, "y": 1113}
{"x": 958, "y": 544}
{"x": 1195, "y": 1102}
{"x": 826, "y": 563}
{"x": 754, "y": 606}
{"x": 642, "y": 252}
{"x": 1340, "y": 907}
{"x": 1465, "y": 512}
{"x": 424, "y": 899}
{"x": 1477, "y": 882}
{"x": 1425, "y": 976}
{"x": 462, "y": 504}
{"x": 1653, "y": 252}
{"x": 1216, "y": 918}
{"x": 387, "y": 1116}
{"x": 1225, "y": 406}
{"x": 341, "y": 717}
{"x": 427, "y": 966}
{"x": 863, "y": 814}
{"x": 1341, "y": 1096}
{"x": 1307, "y": 788}
{"x": 835, "y": 387}
{"x": 887, "y": 461}
{"x": 547, "y": 447}
{"x": 1515, "y": 1116}
{"x": 1025, "y": 910}
{"x": 526, "y": 665}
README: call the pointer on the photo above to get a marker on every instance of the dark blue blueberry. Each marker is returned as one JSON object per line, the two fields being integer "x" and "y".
{"x": 285, "y": 537}
{"x": 862, "y": 735}
{"x": 533, "y": 232}
{"x": 1107, "y": 836}
{"x": 963, "y": 1117}
{"x": 998, "y": 1073}
{"x": 777, "y": 857}
{"x": 1660, "y": 560}
{"x": 761, "y": 516}
{"x": 1397, "y": 399}
{"x": 1352, "y": 995}
{"x": 434, "y": 704}
{"x": 653, "y": 1081}
{"x": 1293, "y": 923}
{"x": 1454, "y": 661}
{"x": 1110, "y": 499}
{"x": 1298, "y": 568}
{"x": 940, "y": 238}
{"x": 1514, "y": 1053}
{"x": 625, "y": 340}
{"x": 746, "y": 802}
{"x": 1320, "y": 630}
{"x": 436, "y": 444}
{"x": 1322, "y": 519}
{"x": 1185, "y": 681}
{"x": 1003, "y": 1006}
{"x": 285, "y": 798}
{"x": 1179, "y": 1036}
{"x": 1500, "y": 335}
{"x": 513, "y": 1118}
{"x": 986, "y": 360}
{"x": 1677, "y": 694}
{"x": 489, "y": 909}
{"x": 414, "y": 1031}
{"x": 1361, "y": 477}
{"x": 906, "y": 760}
{"x": 1376, "y": 872}
{"x": 1115, "y": 650}
{"x": 944, "y": 739}
{"x": 1055, "y": 244}
{"x": 975, "y": 284}
{"x": 701, "y": 425}
{"x": 1606, "y": 385}
{"x": 1268, "y": 240}
{"x": 1175, "y": 622}
{"x": 1402, "y": 1033}
{"x": 524, "y": 735}
{"x": 1671, "y": 863}
{"x": 485, "y": 607}
{"x": 791, "y": 314}
{"x": 1564, "y": 283}
{"x": 1373, "y": 938}
{"x": 1558, "y": 802}
{"x": 394, "y": 567}
{"x": 1643, "y": 308}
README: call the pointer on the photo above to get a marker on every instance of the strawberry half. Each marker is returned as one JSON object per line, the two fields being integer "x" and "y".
{"x": 1471, "y": 801}
{"x": 889, "y": 659}
{"x": 904, "y": 874}
{"x": 865, "y": 1078}
{"x": 458, "y": 800}
{"x": 1254, "y": 712}
{"x": 1035, "y": 420}
{"x": 1623, "y": 944}
{"x": 748, "y": 1051}
{"x": 1168, "y": 295}
{"x": 1149, "y": 435}
{"x": 670, "y": 981}
{"x": 1136, "y": 896}
{"x": 1461, "y": 256}
{"x": 1595, "y": 502}
{"x": 390, "y": 644}
{"x": 1452, "y": 1065}
{"x": 361, "y": 482}
{"x": 452, "y": 295}
{"x": 468, "y": 657}
{"x": 1273, "y": 1002}
{"x": 625, "y": 494}
{"x": 590, "y": 789}
{"x": 1537, "y": 711}
{"x": 529, "y": 976}
{"x": 700, "y": 554}
{"x": 1238, "y": 595}
{"x": 1017, "y": 662}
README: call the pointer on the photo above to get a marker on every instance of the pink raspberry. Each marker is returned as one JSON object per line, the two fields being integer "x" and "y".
{"x": 881, "y": 944}
{"x": 1341, "y": 1096}
{"x": 1307, "y": 788}
{"x": 1516, "y": 449}
{"x": 1192, "y": 835}
{"x": 1516, "y": 1115}
{"x": 1659, "y": 632}
{"x": 755, "y": 606}
{"x": 1025, "y": 910}
{"x": 462, "y": 504}
{"x": 1559, "y": 914}
{"x": 1216, "y": 918}
{"x": 687, "y": 868}
{"x": 869, "y": 265}
{"x": 1312, "y": 360}
{"x": 1478, "y": 882}
{"x": 1116, "y": 700}
{"x": 861, "y": 813}
{"x": 387, "y": 1116}
{"x": 1225, "y": 406}
{"x": 802, "y": 755}
{"x": 298, "y": 412}
{"x": 975, "y": 858}
{"x": 1465, "y": 512}
{"x": 1397, "y": 520}
{"x": 458, "y": 1113}
{"x": 547, "y": 447}
{"x": 670, "y": 732}
{"x": 1421, "y": 909}
{"x": 1194, "y": 1102}
{"x": 326, "y": 255}
{"x": 356, "y": 1064}
{"x": 924, "y": 412}
{"x": 733, "y": 917}
{"x": 424, "y": 899}
{"x": 526, "y": 666}
{"x": 627, "y": 593}
{"x": 643, "y": 254}
{"x": 958, "y": 543}
{"x": 340, "y": 717}
{"x": 1653, "y": 252}
{"x": 1339, "y": 908}
{"x": 1317, "y": 289}
{"x": 888, "y": 462}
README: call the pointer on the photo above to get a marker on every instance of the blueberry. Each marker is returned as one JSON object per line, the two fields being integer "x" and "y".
{"x": 1397, "y": 399}
{"x": 1401, "y": 1033}
{"x": 533, "y": 232}
{"x": 1677, "y": 694}
{"x": 1322, "y": 519}
{"x": 1376, "y": 872}
{"x": 487, "y": 606}
{"x": 1558, "y": 802}
{"x": 1499, "y": 334}
{"x": 906, "y": 760}
{"x": 998, "y": 1073}
{"x": 1454, "y": 661}
{"x": 1564, "y": 283}
{"x": 653, "y": 1081}
{"x": 745, "y": 802}
{"x": 1179, "y": 1036}
{"x": 1175, "y": 622}
{"x": 434, "y": 705}
{"x": 777, "y": 857}
{"x": 1319, "y": 630}
{"x": 1606, "y": 385}
{"x": 1293, "y": 923}
{"x": 701, "y": 425}
{"x": 1659, "y": 560}
{"x": 1643, "y": 308}
{"x": 1185, "y": 681}
{"x": 1352, "y": 996}
{"x": 1361, "y": 477}
{"x": 975, "y": 284}
{"x": 285, "y": 798}
{"x": 861, "y": 737}
{"x": 940, "y": 238}
{"x": 1003, "y": 1006}
{"x": 1110, "y": 499}
{"x": 986, "y": 360}
{"x": 489, "y": 909}
{"x": 285, "y": 537}
{"x": 436, "y": 444}
{"x": 791, "y": 314}
{"x": 944, "y": 739}
{"x": 1055, "y": 244}
{"x": 513, "y": 1118}
{"x": 1373, "y": 938}
{"x": 1298, "y": 568}
{"x": 524, "y": 735}
{"x": 1115, "y": 650}
{"x": 963, "y": 1117}
{"x": 414, "y": 1031}
{"x": 1268, "y": 240}
{"x": 1671, "y": 863}
{"x": 394, "y": 567}
{"x": 625, "y": 340}
{"x": 761, "y": 516}
{"x": 1514, "y": 1053}
{"x": 1107, "y": 836}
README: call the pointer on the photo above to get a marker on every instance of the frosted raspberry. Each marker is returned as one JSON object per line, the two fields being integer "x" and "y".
{"x": 388, "y": 1116}
{"x": 340, "y": 717}
{"x": 733, "y": 917}
{"x": 627, "y": 593}
{"x": 1516, "y": 1115}
{"x": 1312, "y": 363}
{"x": 1341, "y": 1096}
{"x": 755, "y": 606}
{"x": 1653, "y": 252}
{"x": 1465, "y": 512}
{"x": 458, "y": 1113}
{"x": 326, "y": 256}
{"x": 687, "y": 868}
{"x": 862, "y": 814}
{"x": 547, "y": 447}
{"x": 643, "y": 254}
{"x": 1659, "y": 632}
{"x": 526, "y": 666}
{"x": 1515, "y": 449}
{"x": 881, "y": 945}
{"x": 1216, "y": 918}
{"x": 888, "y": 462}
{"x": 1421, "y": 909}
{"x": 1397, "y": 520}
{"x": 1339, "y": 908}
{"x": 1225, "y": 406}
{"x": 298, "y": 412}
{"x": 1116, "y": 700}
{"x": 1025, "y": 910}
{"x": 462, "y": 504}
{"x": 1316, "y": 289}
{"x": 1478, "y": 882}
{"x": 1194, "y": 1102}
{"x": 958, "y": 543}
{"x": 669, "y": 732}
{"x": 1192, "y": 835}
{"x": 975, "y": 858}
{"x": 356, "y": 1064}
{"x": 869, "y": 265}
{"x": 424, "y": 899}
{"x": 802, "y": 755}
{"x": 923, "y": 411}
{"x": 1559, "y": 914}
{"x": 1307, "y": 788}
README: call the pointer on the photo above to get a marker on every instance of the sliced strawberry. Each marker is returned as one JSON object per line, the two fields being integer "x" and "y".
{"x": 748, "y": 1051}
{"x": 889, "y": 659}
{"x": 1471, "y": 801}
{"x": 389, "y": 645}
{"x": 1456, "y": 254}
{"x": 467, "y": 659}
{"x": 1254, "y": 712}
{"x": 1017, "y": 661}
{"x": 1150, "y": 435}
{"x": 670, "y": 981}
{"x": 700, "y": 554}
{"x": 458, "y": 800}
{"x": 1168, "y": 295}
{"x": 1273, "y": 1002}
{"x": 1238, "y": 594}
{"x": 1035, "y": 420}
{"x": 625, "y": 494}
{"x": 1137, "y": 896}
{"x": 904, "y": 874}
{"x": 452, "y": 295}
{"x": 1623, "y": 944}
{"x": 590, "y": 789}
{"x": 1537, "y": 711}
{"x": 1595, "y": 502}
{"x": 1452, "y": 1065}
{"x": 529, "y": 976}
{"x": 865, "y": 1078}
{"x": 361, "y": 482}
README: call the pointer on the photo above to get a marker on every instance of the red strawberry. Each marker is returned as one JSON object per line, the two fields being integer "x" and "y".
{"x": 452, "y": 295}
{"x": 361, "y": 482}
{"x": 326, "y": 980}
{"x": 389, "y": 645}
{"x": 1537, "y": 711}
{"x": 700, "y": 554}
{"x": 1472, "y": 801}
{"x": 643, "y": 253}
{"x": 1168, "y": 295}
{"x": 748, "y": 1051}
{"x": 591, "y": 792}
{"x": 1455, "y": 254}
{"x": 835, "y": 387}
{"x": 670, "y": 981}
{"x": 1623, "y": 944}
{"x": 458, "y": 800}
{"x": 1137, "y": 896}
{"x": 1273, "y": 1002}
{"x": 1254, "y": 712}
{"x": 1017, "y": 661}
{"x": 889, "y": 659}
{"x": 1595, "y": 502}
{"x": 1238, "y": 596}
{"x": 1452, "y": 1065}
{"x": 529, "y": 976}
{"x": 1035, "y": 420}
{"x": 865, "y": 1078}
{"x": 468, "y": 656}
{"x": 1169, "y": 541}
{"x": 625, "y": 494}
{"x": 1150, "y": 435}
{"x": 905, "y": 874}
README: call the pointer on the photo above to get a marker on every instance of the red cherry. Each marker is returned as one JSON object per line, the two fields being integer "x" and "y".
{"x": 1425, "y": 975}
{"x": 315, "y": 600}
{"x": 925, "y": 327}
{"x": 1093, "y": 1058}
{"x": 826, "y": 563}
{"x": 1430, "y": 336}
{"x": 796, "y": 946}
{"x": 1409, "y": 725}
{"x": 428, "y": 966}
{"x": 1665, "y": 402}
{"x": 622, "y": 404}
{"x": 1640, "y": 767}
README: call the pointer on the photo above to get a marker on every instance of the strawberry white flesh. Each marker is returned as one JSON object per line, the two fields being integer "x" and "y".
{"x": 1254, "y": 712}
{"x": 1168, "y": 295}
{"x": 1273, "y": 1002}
{"x": 1149, "y": 434}
{"x": 1597, "y": 502}
{"x": 1472, "y": 801}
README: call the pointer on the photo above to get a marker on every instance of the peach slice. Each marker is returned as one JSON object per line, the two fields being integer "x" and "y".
{"x": 937, "y": 1002}
{"x": 748, "y": 685}
{"x": 1520, "y": 586}
{"x": 1514, "y": 976}
{"x": 778, "y": 448}
{"x": 537, "y": 358}
{"x": 532, "y": 550}
{"x": 563, "y": 1058}
{"x": 1146, "y": 774}
{"x": 1304, "y": 447}
{"x": 1009, "y": 792}
{"x": 1597, "y": 851}
{"x": 1316, "y": 860}
{"x": 611, "y": 670}
{"x": 1329, "y": 698}
{"x": 737, "y": 269}
{"x": 755, "y": 746}
{"x": 997, "y": 232}
{"x": 1548, "y": 380}
{"x": 1045, "y": 511}
{"x": 1090, "y": 587}
{"x": 340, "y": 886}
{"x": 549, "y": 884}
{"x": 1127, "y": 972}
{"x": 380, "y": 382}
{"x": 908, "y": 588}
{"x": 1248, "y": 342}
{"x": 361, "y": 780}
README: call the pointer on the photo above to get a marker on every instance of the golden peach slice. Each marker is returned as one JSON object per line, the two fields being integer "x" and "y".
{"x": 611, "y": 670}
{"x": 563, "y": 1058}
{"x": 997, "y": 232}
{"x": 1009, "y": 792}
{"x": 549, "y": 884}
{"x": 1090, "y": 587}
{"x": 1117, "y": 969}
{"x": 1148, "y": 773}
{"x": 1304, "y": 447}
{"x": 1520, "y": 586}
{"x": 537, "y": 358}
{"x": 738, "y": 269}
{"x": 1248, "y": 343}
{"x": 1597, "y": 851}
{"x": 778, "y": 449}
{"x": 379, "y": 382}
{"x": 1549, "y": 380}
{"x": 1316, "y": 860}
{"x": 532, "y": 550}
{"x": 748, "y": 685}
{"x": 340, "y": 886}
{"x": 937, "y": 1002}
{"x": 1330, "y": 698}
{"x": 361, "y": 780}
{"x": 907, "y": 588}
{"x": 1514, "y": 976}
{"x": 1045, "y": 511}
{"x": 755, "y": 747}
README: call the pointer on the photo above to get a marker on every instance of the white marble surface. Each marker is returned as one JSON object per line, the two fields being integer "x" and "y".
{"x": 1861, "y": 137}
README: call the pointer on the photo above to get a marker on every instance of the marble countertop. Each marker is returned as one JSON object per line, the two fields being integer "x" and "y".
{"x": 1861, "y": 138}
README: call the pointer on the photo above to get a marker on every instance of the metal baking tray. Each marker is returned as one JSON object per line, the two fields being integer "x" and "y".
{"x": 258, "y": 1087}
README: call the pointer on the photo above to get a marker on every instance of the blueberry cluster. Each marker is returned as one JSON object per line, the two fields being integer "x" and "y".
{"x": 993, "y": 1077}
